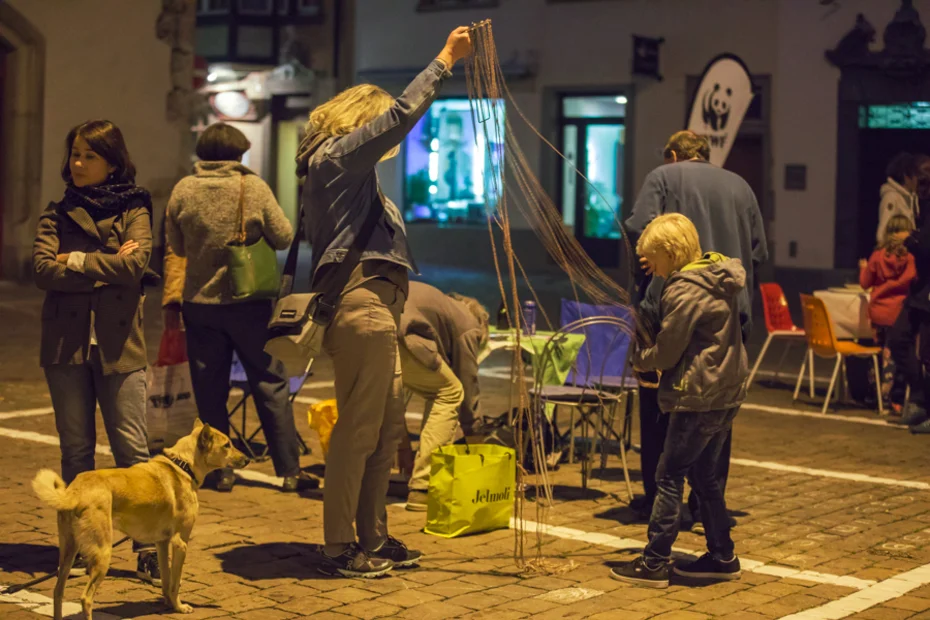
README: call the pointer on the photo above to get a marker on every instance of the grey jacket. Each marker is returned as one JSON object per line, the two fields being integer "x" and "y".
{"x": 341, "y": 185}
{"x": 436, "y": 328}
{"x": 203, "y": 216}
{"x": 699, "y": 346}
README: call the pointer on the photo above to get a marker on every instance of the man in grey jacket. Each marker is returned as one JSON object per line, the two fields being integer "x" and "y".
{"x": 441, "y": 339}
{"x": 699, "y": 351}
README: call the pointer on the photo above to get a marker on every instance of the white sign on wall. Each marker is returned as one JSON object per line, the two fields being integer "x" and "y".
{"x": 720, "y": 103}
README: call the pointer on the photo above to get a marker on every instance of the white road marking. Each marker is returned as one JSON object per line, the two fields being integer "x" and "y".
{"x": 43, "y": 605}
{"x": 821, "y": 416}
{"x": 783, "y": 572}
{"x": 883, "y": 591}
{"x": 826, "y": 473}
{"x": 26, "y": 413}
{"x": 50, "y": 440}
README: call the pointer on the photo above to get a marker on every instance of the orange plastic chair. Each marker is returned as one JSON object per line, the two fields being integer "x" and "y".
{"x": 822, "y": 342}
{"x": 778, "y": 324}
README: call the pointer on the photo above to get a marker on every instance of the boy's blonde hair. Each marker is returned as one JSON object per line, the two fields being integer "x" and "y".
{"x": 349, "y": 110}
{"x": 673, "y": 234}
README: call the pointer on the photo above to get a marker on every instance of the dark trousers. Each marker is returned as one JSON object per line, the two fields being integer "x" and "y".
{"x": 694, "y": 447}
{"x": 901, "y": 342}
{"x": 213, "y": 333}
{"x": 653, "y": 425}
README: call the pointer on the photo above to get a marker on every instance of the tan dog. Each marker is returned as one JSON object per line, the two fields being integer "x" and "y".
{"x": 152, "y": 502}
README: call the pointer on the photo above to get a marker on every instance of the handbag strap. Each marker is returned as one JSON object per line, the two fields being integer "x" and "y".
{"x": 242, "y": 209}
{"x": 327, "y": 304}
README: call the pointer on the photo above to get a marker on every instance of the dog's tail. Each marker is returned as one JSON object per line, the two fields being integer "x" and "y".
{"x": 52, "y": 490}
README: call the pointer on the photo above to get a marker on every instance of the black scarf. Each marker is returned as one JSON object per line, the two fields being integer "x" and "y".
{"x": 103, "y": 201}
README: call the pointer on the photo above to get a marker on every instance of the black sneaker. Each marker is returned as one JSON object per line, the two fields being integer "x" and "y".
{"x": 147, "y": 567}
{"x": 707, "y": 567}
{"x": 79, "y": 567}
{"x": 354, "y": 562}
{"x": 301, "y": 482}
{"x": 636, "y": 572}
{"x": 416, "y": 501}
{"x": 398, "y": 553}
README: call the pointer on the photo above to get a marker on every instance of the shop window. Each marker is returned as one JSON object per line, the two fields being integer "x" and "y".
{"x": 213, "y": 7}
{"x": 450, "y": 174}
{"x": 914, "y": 115}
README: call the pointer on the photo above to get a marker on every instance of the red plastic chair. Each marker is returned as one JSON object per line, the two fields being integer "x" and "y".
{"x": 778, "y": 323}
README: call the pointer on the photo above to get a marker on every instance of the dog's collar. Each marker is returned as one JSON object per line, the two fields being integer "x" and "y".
{"x": 183, "y": 466}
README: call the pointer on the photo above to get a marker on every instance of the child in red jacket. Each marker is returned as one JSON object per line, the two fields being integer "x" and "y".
{"x": 888, "y": 272}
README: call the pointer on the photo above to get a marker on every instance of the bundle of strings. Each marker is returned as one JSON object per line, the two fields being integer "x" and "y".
{"x": 513, "y": 184}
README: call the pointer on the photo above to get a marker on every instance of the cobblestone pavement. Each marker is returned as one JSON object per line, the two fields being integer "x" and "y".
{"x": 833, "y": 521}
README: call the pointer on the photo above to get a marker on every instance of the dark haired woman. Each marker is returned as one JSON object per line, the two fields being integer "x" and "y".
{"x": 203, "y": 216}
{"x": 90, "y": 253}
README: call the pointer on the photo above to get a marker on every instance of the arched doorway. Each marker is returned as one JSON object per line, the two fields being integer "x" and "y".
{"x": 22, "y": 76}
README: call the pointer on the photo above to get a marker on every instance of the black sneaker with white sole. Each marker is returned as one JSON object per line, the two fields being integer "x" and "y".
{"x": 355, "y": 562}
{"x": 639, "y": 573}
{"x": 708, "y": 567}
{"x": 398, "y": 553}
{"x": 147, "y": 568}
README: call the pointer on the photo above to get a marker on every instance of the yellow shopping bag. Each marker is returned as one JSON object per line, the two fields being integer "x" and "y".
{"x": 471, "y": 489}
{"x": 322, "y": 417}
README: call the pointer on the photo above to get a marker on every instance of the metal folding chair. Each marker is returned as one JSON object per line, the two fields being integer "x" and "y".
{"x": 587, "y": 392}
{"x": 238, "y": 379}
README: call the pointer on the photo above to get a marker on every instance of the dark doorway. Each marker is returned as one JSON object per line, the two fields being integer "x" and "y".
{"x": 747, "y": 159}
{"x": 876, "y": 148}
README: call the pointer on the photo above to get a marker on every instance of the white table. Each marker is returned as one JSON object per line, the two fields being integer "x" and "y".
{"x": 849, "y": 309}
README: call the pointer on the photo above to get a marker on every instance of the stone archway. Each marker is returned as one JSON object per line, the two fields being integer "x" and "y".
{"x": 21, "y": 120}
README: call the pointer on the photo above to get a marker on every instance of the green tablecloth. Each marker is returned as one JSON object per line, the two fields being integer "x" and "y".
{"x": 560, "y": 356}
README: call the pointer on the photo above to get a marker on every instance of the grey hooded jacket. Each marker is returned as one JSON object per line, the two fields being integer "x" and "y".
{"x": 699, "y": 347}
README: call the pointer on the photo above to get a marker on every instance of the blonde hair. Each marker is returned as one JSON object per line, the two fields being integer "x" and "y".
{"x": 673, "y": 234}
{"x": 349, "y": 110}
{"x": 479, "y": 312}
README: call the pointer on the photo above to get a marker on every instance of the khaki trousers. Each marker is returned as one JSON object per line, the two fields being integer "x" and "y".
{"x": 444, "y": 394}
{"x": 362, "y": 343}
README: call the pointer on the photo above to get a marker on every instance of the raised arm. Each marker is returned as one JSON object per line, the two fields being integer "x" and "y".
{"x": 680, "y": 312}
{"x": 362, "y": 149}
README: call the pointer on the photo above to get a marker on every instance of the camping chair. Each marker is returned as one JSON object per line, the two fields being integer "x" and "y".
{"x": 585, "y": 394}
{"x": 238, "y": 379}
{"x": 778, "y": 324}
{"x": 822, "y": 342}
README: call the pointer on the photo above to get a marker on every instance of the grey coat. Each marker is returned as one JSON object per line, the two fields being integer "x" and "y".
{"x": 699, "y": 347}
{"x": 436, "y": 328}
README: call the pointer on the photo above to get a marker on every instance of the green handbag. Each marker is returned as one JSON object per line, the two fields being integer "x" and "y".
{"x": 253, "y": 269}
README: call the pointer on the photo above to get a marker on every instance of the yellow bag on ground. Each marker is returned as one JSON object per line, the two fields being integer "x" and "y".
{"x": 322, "y": 417}
{"x": 471, "y": 489}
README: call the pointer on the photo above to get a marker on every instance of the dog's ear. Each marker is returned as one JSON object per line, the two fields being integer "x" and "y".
{"x": 205, "y": 439}
{"x": 197, "y": 425}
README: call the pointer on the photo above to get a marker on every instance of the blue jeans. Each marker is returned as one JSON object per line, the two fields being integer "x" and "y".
{"x": 693, "y": 447}
{"x": 76, "y": 389}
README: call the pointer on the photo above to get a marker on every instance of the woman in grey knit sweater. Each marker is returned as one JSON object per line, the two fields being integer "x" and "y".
{"x": 202, "y": 217}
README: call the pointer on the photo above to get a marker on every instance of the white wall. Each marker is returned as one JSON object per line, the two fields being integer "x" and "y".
{"x": 104, "y": 61}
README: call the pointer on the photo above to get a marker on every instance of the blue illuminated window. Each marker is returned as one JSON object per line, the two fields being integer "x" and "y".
{"x": 914, "y": 115}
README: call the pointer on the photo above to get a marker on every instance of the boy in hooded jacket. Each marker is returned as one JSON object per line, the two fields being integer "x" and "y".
{"x": 704, "y": 368}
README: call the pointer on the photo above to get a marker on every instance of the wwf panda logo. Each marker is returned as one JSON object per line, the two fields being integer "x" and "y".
{"x": 716, "y": 107}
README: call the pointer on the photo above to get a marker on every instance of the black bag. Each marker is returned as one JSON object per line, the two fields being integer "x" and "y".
{"x": 499, "y": 431}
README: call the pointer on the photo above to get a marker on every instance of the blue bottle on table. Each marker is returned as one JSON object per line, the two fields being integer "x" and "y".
{"x": 529, "y": 317}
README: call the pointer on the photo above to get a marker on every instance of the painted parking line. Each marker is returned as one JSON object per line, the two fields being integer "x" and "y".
{"x": 26, "y": 413}
{"x": 826, "y": 473}
{"x": 754, "y": 566}
{"x": 832, "y": 417}
{"x": 44, "y": 606}
{"x": 881, "y": 592}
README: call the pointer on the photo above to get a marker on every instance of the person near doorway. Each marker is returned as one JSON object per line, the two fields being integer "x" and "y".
{"x": 202, "y": 218}
{"x": 441, "y": 340}
{"x": 346, "y": 214}
{"x": 899, "y": 193}
{"x": 698, "y": 344}
{"x": 726, "y": 214}
{"x": 90, "y": 255}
